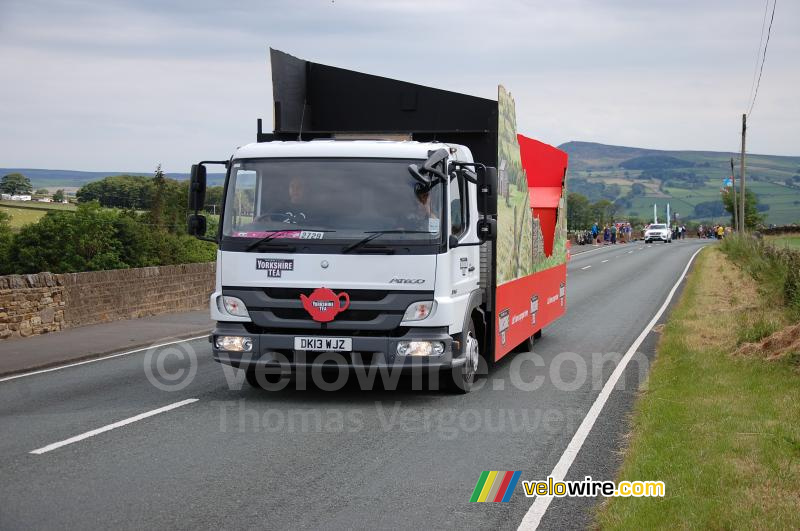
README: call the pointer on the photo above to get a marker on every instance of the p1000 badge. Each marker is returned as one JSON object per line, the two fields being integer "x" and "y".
{"x": 274, "y": 266}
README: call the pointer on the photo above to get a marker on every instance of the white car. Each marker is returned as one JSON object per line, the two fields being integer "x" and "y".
{"x": 658, "y": 231}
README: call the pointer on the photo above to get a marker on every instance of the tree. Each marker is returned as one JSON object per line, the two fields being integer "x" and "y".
{"x": 42, "y": 191}
{"x": 6, "y": 237}
{"x": 62, "y": 242}
{"x": 59, "y": 195}
{"x": 578, "y": 212}
{"x": 603, "y": 211}
{"x": 709, "y": 209}
{"x": 637, "y": 189}
{"x": 157, "y": 204}
{"x": 15, "y": 184}
{"x": 118, "y": 191}
{"x": 752, "y": 217}
{"x": 213, "y": 199}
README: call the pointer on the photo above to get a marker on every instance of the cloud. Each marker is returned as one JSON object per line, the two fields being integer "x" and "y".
{"x": 127, "y": 84}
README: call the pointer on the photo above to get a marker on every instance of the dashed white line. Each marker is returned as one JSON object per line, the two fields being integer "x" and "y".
{"x": 629, "y": 252}
{"x": 534, "y": 515}
{"x": 587, "y": 267}
{"x": 604, "y": 261}
{"x": 109, "y": 427}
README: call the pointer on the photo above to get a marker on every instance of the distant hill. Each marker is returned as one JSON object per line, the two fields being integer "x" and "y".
{"x": 636, "y": 178}
{"x": 41, "y": 178}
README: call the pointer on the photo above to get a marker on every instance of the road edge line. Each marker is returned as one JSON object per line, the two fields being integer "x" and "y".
{"x": 536, "y": 511}
{"x": 102, "y": 358}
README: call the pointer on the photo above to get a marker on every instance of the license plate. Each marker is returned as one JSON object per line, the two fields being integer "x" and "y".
{"x": 334, "y": 344}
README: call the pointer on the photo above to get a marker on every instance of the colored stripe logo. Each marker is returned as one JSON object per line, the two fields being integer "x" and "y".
{"x": 495, "y": 486}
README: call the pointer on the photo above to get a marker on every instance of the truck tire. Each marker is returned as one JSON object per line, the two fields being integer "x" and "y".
{"x": 459, "y": 380}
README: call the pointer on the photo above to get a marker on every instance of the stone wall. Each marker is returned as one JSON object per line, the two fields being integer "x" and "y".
{"x": 37, "y": 304}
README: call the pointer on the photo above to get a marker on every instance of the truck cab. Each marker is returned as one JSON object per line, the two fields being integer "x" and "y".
{"x": 349, "y": 252}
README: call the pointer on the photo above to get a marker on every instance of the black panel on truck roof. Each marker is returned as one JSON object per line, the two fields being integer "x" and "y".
{"x": 329, "y": 100}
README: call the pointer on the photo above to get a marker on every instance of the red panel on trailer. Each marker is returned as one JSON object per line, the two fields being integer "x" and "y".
{"x": 529, "y": 304}
{"x": 544, "y": 164}
{"x": 545, "y": 168}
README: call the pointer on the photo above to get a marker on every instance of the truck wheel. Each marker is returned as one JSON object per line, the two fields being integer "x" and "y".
{"x": 459, "y": 380}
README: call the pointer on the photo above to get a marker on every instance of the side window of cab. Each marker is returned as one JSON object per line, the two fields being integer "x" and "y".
{"x": 458, "y": 207}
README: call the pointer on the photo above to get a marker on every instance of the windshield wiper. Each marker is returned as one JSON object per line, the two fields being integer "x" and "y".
{"x": 278, "y": 234}
{"x": 377, "y": 233}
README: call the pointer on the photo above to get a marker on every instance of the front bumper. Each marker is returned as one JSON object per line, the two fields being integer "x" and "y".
{"x": 275, "y": 352}
{"x": 653, "y": 237}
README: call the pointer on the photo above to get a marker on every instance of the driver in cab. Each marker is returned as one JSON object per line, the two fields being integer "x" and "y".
{"x": 421, "y": 216}
{"x": 298, "y": 200}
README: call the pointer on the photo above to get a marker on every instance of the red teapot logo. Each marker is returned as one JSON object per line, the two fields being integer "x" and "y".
{"x": 324, "y": 305}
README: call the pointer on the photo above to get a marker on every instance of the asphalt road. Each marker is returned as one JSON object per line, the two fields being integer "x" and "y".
{"x": 335, "y": 460}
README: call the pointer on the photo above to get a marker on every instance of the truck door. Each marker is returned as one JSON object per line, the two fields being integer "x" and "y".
{"x": 465, "y": 260}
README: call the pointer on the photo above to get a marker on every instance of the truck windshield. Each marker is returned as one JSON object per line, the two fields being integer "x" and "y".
{"x": 336, "y": 200}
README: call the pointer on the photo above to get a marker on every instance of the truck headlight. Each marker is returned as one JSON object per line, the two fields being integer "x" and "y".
{"x": 420, "y": 348}
{"x": 233, "y": 306}
{"x": 234, "y": 343}
{"x": 417, "y": 311}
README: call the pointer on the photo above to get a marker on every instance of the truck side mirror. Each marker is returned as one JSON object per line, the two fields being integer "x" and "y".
{"x": 197, "y": 225}
{"x": 197, "y": 188}
{"x": 487, "y": 191}
{"x": 487, "y": 230}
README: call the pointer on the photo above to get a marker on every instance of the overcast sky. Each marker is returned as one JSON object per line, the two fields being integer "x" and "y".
{"x": 116, "y": 85}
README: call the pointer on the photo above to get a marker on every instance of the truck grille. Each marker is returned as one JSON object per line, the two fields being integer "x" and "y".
{"x": 274, "y": 308}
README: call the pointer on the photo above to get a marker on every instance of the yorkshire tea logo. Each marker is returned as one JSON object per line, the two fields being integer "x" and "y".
{"x": 274, "y": 266}
{"x": 495, "y": 486}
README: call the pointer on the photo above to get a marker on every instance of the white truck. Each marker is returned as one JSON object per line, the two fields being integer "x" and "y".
{"x": 360, "y": 233}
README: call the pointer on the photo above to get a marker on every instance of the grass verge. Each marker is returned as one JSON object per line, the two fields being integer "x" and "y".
{"x": 721, "y": 431}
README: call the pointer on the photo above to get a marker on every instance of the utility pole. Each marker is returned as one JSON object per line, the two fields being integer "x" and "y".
{"x": 742, "y": 177}
{"x": 735, "y": 204}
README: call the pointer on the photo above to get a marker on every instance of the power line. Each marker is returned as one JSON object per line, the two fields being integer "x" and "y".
{"x": 763, "y": 58}
{"x": 758, "y": 52}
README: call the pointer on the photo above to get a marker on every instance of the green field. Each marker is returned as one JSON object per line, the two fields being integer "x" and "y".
{"x": 766, "y": 176}
{"x": 23, "y": 213}
{"x": 791, "y": 241}
{"x": 22, "y": 216}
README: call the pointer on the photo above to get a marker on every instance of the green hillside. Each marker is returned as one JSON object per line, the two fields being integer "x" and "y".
{"x": 636, "y": 178}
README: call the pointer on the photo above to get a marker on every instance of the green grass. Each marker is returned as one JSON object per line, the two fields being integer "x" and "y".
{"x": 24, "y": 213}
{"x": 792, "y": 241}
{"x": 722, "y": 432}
{"x": 35, "y": 205}
{"x": 22, "y": 216}
{"x": 756, "y": 330}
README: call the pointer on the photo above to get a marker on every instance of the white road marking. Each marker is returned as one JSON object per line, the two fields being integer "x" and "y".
{"x": 119, "y": 354}
{"x": 575, "y": 255}
{"x": 604, "y": 261}
{"x": 587, "y": 267}
{"x": 109, "y": 427}
{"x": 629, "y": 252}
{"x": 539, "y": 506}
